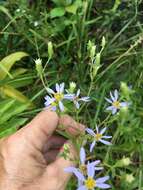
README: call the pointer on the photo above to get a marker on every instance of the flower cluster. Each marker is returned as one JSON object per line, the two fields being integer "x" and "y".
{"x": 56, "y": 98}
{"x": 86, "y": 174}
{"x": 87, "y": 169}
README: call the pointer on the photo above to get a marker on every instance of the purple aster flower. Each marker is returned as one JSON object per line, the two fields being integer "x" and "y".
{"x": 98, "y": 136}
{"x": 76, "y": 99}
{"x": 116, "y": 104}
{"x": 57, "y": 97}
{"x": 83, "y": 165}
{"x": 89, "y": 182}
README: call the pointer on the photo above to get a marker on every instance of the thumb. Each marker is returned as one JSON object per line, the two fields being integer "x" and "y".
{"x": 60, "y": 164}
{"x": 41, "y": 128}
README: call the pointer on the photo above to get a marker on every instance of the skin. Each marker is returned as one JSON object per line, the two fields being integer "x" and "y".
{"x": 29, "y": 159}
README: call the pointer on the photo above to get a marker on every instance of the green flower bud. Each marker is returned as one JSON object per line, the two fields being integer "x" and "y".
{"x": 126, "y": 90}
{"x": 125, "y": 161}
{"x": 72, "y": 87}
{"x": 50, "y": 50}
{"x": 103, "y": 43}
{"x": 39, "y": 68}
{"x": 129, "y": 178}
{"x": 92, "y": 49}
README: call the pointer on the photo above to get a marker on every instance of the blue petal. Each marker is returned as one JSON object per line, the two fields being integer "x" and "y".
{"x": 79, "y": 175}
{"x": 78, "y": 93}
{"x": 103, "y": 130}
{"x": 82, "y": 188}
{"x": 94, "y": 163}
{"x": 75, "y": 171}
{"x": 90, "y": 131}
{"x": 54, "y": 108}
{"x": 61, "y": 106}
{"x": 57, "y": 87}
{"x": 82, "y": 155}
{"x": 114, "y": 110}
{"x": 92, "y": 146}
{"x": 90, "y": 170}
{"x": 116, "y": 94}
{"x": 49, "y": 100}
{"x": 110, "y": 108}
{"x": 70, "y": 169}
{"x": 97, "y": 129}
{"x": 102, "y": 179}
{"x": 85, "y": 99}
{"x": 124, "y": 104}
{"x": 76, "y": 104}
{"x": 62, "y": 87}
{"x": 108, "y": 100}
{"x": 107, "y": 137}
{"x": 105, "y": 142}
{"x": 112, "y": 97}
{"x": 69, "y": 96}
{"x": 103, "y": 185}
{"x": 49, "y": 90}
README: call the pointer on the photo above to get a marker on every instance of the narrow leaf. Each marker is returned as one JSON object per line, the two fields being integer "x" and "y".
{"x": 7, "y": 62}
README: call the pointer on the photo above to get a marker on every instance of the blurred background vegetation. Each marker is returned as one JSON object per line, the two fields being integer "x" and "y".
{"x": 27, "y": 27}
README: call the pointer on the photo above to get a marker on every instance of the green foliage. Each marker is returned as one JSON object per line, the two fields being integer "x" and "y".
{"x": 5, "y": 67}
{"x": 9, "y": 119}
{"x": 7, "y": 62}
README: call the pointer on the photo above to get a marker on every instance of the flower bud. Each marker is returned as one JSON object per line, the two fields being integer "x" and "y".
{"x": 126, "y": 90}
{"x": 125, "y": 161}
{"x": 103, "y": 43}
{"x": 129, "y": 178}
{"x": 72, "y": 87}
{"x": 92, "y": 49}
{"x": 50, "y": 50}
{"x": 39, "y": 67}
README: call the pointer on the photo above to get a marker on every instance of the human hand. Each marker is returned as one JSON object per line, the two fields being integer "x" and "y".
{"x": 29, "y": 159}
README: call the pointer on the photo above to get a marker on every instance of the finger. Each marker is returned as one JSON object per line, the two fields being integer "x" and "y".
{"x": 51, "y": 155}
{"x": 54, "y": 142}
{"x": 60, "y": 164}
{"x": 68, "y": 124}
{"x": 41, "y": 128}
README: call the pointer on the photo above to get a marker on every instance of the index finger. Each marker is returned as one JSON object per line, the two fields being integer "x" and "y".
{"x": 69, "y": 125}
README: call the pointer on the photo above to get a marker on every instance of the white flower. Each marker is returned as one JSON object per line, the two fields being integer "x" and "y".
{"x": 98, "y": 137}
{"x": 116, "y": 104}
{"x": 76, "y": 99}
{"x": 57, "y": 97}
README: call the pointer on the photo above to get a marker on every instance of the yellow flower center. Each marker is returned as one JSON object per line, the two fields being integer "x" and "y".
{"x": 90, "y": 183}
{"x": 83, "y": 169}
{"x": 98, "y": 136}
{"x": 116, "y": 104}
{"x": 58, "y": 96}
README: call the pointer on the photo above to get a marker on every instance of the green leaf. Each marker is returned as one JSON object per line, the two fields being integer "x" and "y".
{"x": 11, "y": 92}
{"x": 18, "y": 72}
{"x": 14, "y": 122}
{"x": 7, "y": 62}
{"x": 8, "y": 132}
{"x": 72, "y": 8}
{"x": 57, "y": 12}
{"x": 14, "y": 110}
{"x": 4, "y": 10}
{"x": 5, "y": 105}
